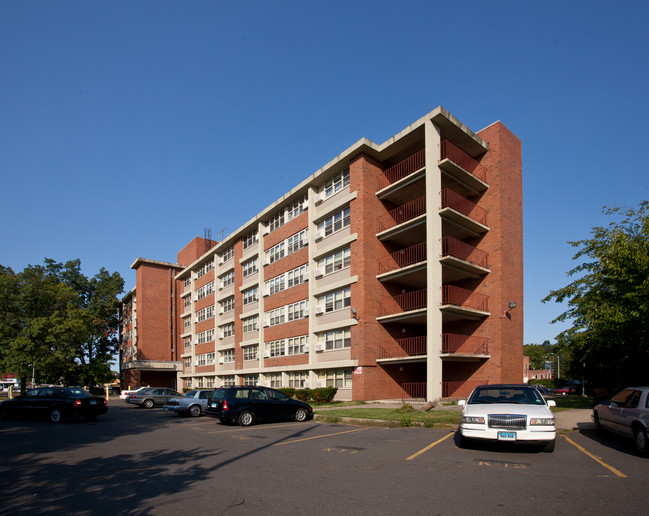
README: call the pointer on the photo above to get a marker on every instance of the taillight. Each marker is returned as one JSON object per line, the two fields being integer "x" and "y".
{"x": 225, "y": 405}
{"x": 77, "y": 403}
{"x": 104, "y": 402}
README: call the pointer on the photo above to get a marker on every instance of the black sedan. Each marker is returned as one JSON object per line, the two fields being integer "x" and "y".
{"x": 54, "y": 403}
{"x": 247, "y": 404}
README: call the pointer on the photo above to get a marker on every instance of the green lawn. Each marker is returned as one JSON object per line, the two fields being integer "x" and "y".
{"x": 570, "y": 402}
{"x": 404, "y": 416}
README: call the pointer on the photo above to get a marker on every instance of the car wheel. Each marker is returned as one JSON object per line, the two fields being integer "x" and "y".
{"x": 640, "y": 438}
{"x": 56, "y": 416}
{"x": 195, "y": 410}
{"x": 549, "y": 446}
{"x": 147, "y": 403}
{"x": 246, "y": 418}
{"x": 300, "y": 415}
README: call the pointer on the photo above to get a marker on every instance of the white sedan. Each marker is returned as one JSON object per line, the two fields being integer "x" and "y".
{"x": 124, "y": 394}
{"x": 504, "y": 412}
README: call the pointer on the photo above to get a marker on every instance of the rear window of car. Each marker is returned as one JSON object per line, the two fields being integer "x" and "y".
{"x": 189, "y": 394}
{"x": 218, "y": 394}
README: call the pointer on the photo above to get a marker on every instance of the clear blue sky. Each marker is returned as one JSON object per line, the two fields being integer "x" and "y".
{"x": 126, "y": 128}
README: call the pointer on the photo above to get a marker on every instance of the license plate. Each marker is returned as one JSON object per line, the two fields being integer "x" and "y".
{"x": 506, "y": 436}
{"x": 93, "y": 402}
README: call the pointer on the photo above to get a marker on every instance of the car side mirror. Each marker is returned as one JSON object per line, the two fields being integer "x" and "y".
{"x": 461, "y": 403}
{"x": 552, "y": 403}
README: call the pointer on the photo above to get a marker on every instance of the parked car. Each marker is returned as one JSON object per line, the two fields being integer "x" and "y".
{"x": 55, "y": 403}
{"x": 192, "y": 403}
{"x": 151, "y": 397}
{"x": 124, "y": 394}
{"x": 545, "y": 391}
{"x": 568, "y": 389}
{"x": 248, "y": 404}
{"x": 511, "y": 413}
{"x": 627, "y": 414}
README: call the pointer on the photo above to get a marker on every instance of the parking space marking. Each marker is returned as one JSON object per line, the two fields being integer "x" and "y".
{"x": 430, "y": 446}
{"x": 256, "y": 427}
{"x": 321, "y": 436}
{"x": 595, "y": 458}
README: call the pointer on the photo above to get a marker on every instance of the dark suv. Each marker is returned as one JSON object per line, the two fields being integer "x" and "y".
{"x": 250, "y": 403}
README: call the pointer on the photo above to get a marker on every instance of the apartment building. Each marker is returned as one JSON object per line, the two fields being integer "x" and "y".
{"x": 394, "y": 271}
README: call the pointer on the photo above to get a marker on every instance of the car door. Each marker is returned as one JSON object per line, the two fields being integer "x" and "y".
{"x": 631, "y": 412}
{"x": 613, "y": 418}
{"x": 282, "y": 406}
{"x": 23, "y": 404}
{"x": 158, "y": 396}
{"x": 261, "y": 405}
{"x": 203, "y": 396}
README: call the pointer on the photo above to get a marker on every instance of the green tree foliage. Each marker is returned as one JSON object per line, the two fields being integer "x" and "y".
{"x": 608, "y": 303}
{"x": 59, "y": 322}
{"x": 539, "y": 354}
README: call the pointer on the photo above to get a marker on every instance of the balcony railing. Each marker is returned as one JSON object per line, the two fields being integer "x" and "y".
{"x": 464, "y": 344}
{"x": 464, "y": 251}
{"x": 410, "y": 347}
{"x": 454, "y": 200}
{"x": 403, "y": 213}
{"x": 460, "y": 389}
{"x": 459, "y": 157}
{"x": 404, "y": 303}
{"x": 414, "y": 390}
{"x": 403, "y": 169}
{"x": 464, "y": 298}
{"x": 403, "y": 258}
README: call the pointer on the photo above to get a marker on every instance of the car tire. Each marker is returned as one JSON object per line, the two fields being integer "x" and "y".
{"x": 549, "y": 446}
{"x": 598, "y": 425}
{"x": 300, "y": 415}
{"x": 640, "y": 439}
{"x": 147, "y": 404}
{"x": 246, "y": 418}
{"x": 195, "y": 411}
{"x": 55, "y": 415}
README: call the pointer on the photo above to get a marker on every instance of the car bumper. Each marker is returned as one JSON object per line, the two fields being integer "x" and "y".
{"x": 499, "y": 434}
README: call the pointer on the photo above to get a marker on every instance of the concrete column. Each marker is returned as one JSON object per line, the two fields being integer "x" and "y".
{"x": 434, "y": 267}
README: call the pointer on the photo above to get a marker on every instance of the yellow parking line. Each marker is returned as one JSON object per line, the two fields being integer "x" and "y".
{"x": 430, "y": 446}
{"x": 319, "y": 436}
{"x": 595, "y": 458}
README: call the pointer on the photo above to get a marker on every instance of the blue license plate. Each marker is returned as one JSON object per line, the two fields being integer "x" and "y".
{"x": 93, "y": 402}
{"x": 506, "y": 436}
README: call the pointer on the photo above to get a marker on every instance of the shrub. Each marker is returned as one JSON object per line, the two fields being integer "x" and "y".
{"x": 289, "y": 391}
{"x": 321, "y": 395}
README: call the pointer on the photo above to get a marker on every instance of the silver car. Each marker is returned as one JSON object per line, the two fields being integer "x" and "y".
{"x": 627, "y": 414}
{"x": 192, "y": 403}
{"x": 151, "y": 397}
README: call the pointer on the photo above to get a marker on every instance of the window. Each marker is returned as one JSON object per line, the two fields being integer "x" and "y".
{"x": 297, "y": 345}
{"x": 251, "y": 324}
{"x": 297, "y": 380}
{"x": 337, "y": 183}
{"x": 276, "y": 316}
{"x": 205, "y": 313}
{"x": 335, "y": 223}
{"x": 249, "y": 240}
{"x": 341, "y": 378}
{"x": 277, "y": 348}
{"x": 188, "y": 282}
{"x": 338, "y": 339}
{"x": 251, "y": 379}
{"x": 204, "y": 269}
{"x": 276, "y": 222}
{"x": 205, "y": 336}
{"x": 296, "y": 242}
{"x": 227, "y": 255}
{"x": 298, "y": 310}
{"x": 276, "y": 252}
{"x": 187, "y": 302}
{"x": 337, "y": 261}
{"x": 338, "y": 300}
{"x": 228, "y": 304}
{"x": 295, "y": 209}
{"x": 274, "y": 380}
{"x": 227, "y": 330}
{"x": 250, "y": 296}
{"x": 188, "y": 323}
{"x": 205, "y": 359}
{"x": 276, "y": 284}
{"x": 187, "y": 342}
{"x": 251, "y": 352}
{"x": 250, "y": 267}
{"x": 227, "y": 279}
{"x": 209, "y": 383}
{"x": 205, "y": 290}
{"x": 187, "y": 363}
{"x": 227, "y": 356}
{"x": 297, "y": 276}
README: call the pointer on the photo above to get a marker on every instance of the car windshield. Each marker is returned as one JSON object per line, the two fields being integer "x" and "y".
{"x": 525, "y": 395}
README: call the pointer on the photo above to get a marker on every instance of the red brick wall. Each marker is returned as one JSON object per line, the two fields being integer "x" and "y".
{"x": 194, "y": 250}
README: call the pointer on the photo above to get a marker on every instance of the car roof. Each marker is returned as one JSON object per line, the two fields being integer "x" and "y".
{"x": 505, "y": 386}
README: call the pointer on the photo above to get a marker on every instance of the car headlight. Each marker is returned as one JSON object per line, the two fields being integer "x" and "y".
{"x": 542, "y": 421}
{"x": 475, "y": 420}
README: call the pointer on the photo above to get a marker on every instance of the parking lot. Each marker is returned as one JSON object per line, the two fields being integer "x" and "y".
{"x": 138, "y": 461}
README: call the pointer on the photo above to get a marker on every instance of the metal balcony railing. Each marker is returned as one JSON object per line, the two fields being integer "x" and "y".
{"x": 403, "y": 258}
{"x": 460, "y": 389}
{"x": 452, "y": 295}
{"x": 410, "y": 347}
{"x": 404, "y": 303}
{"x": 403, "y": 169}
{"x": 453, "y": 153}
{"x": 464, "y": 344}
{"x": 464, "y": 251}
{"x": 461, "y": 204}
{"x": 414, "y": 390}
{"x": 402, "y": 214}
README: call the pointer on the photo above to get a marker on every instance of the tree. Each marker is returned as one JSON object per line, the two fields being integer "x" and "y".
{"x": 58, "y": 322}
{"x": 608, "y": 303}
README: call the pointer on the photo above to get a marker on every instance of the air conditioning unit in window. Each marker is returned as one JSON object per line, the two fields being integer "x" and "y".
{"x": 221, "y": 311}
{"x": 220, "y": 336}
{"x": 319, "y": 198}
{"x": 266, "y": 292}
{"x": 319, "y": 310}
{"x": 319, "y": 346}
{"x": 319, "y": 235}
{"x": 265, "y": 354}
{"x": 220, "y": 286}
{"x": 221, "y": 261}
{"x": 266, "y": 231}
{"x": 305, "y": 206}
{"x": 221, "y": 361}
{"x": 266, "y": 324}
{"x": 266, "y": 262}
{"x": 319, "y": 272}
